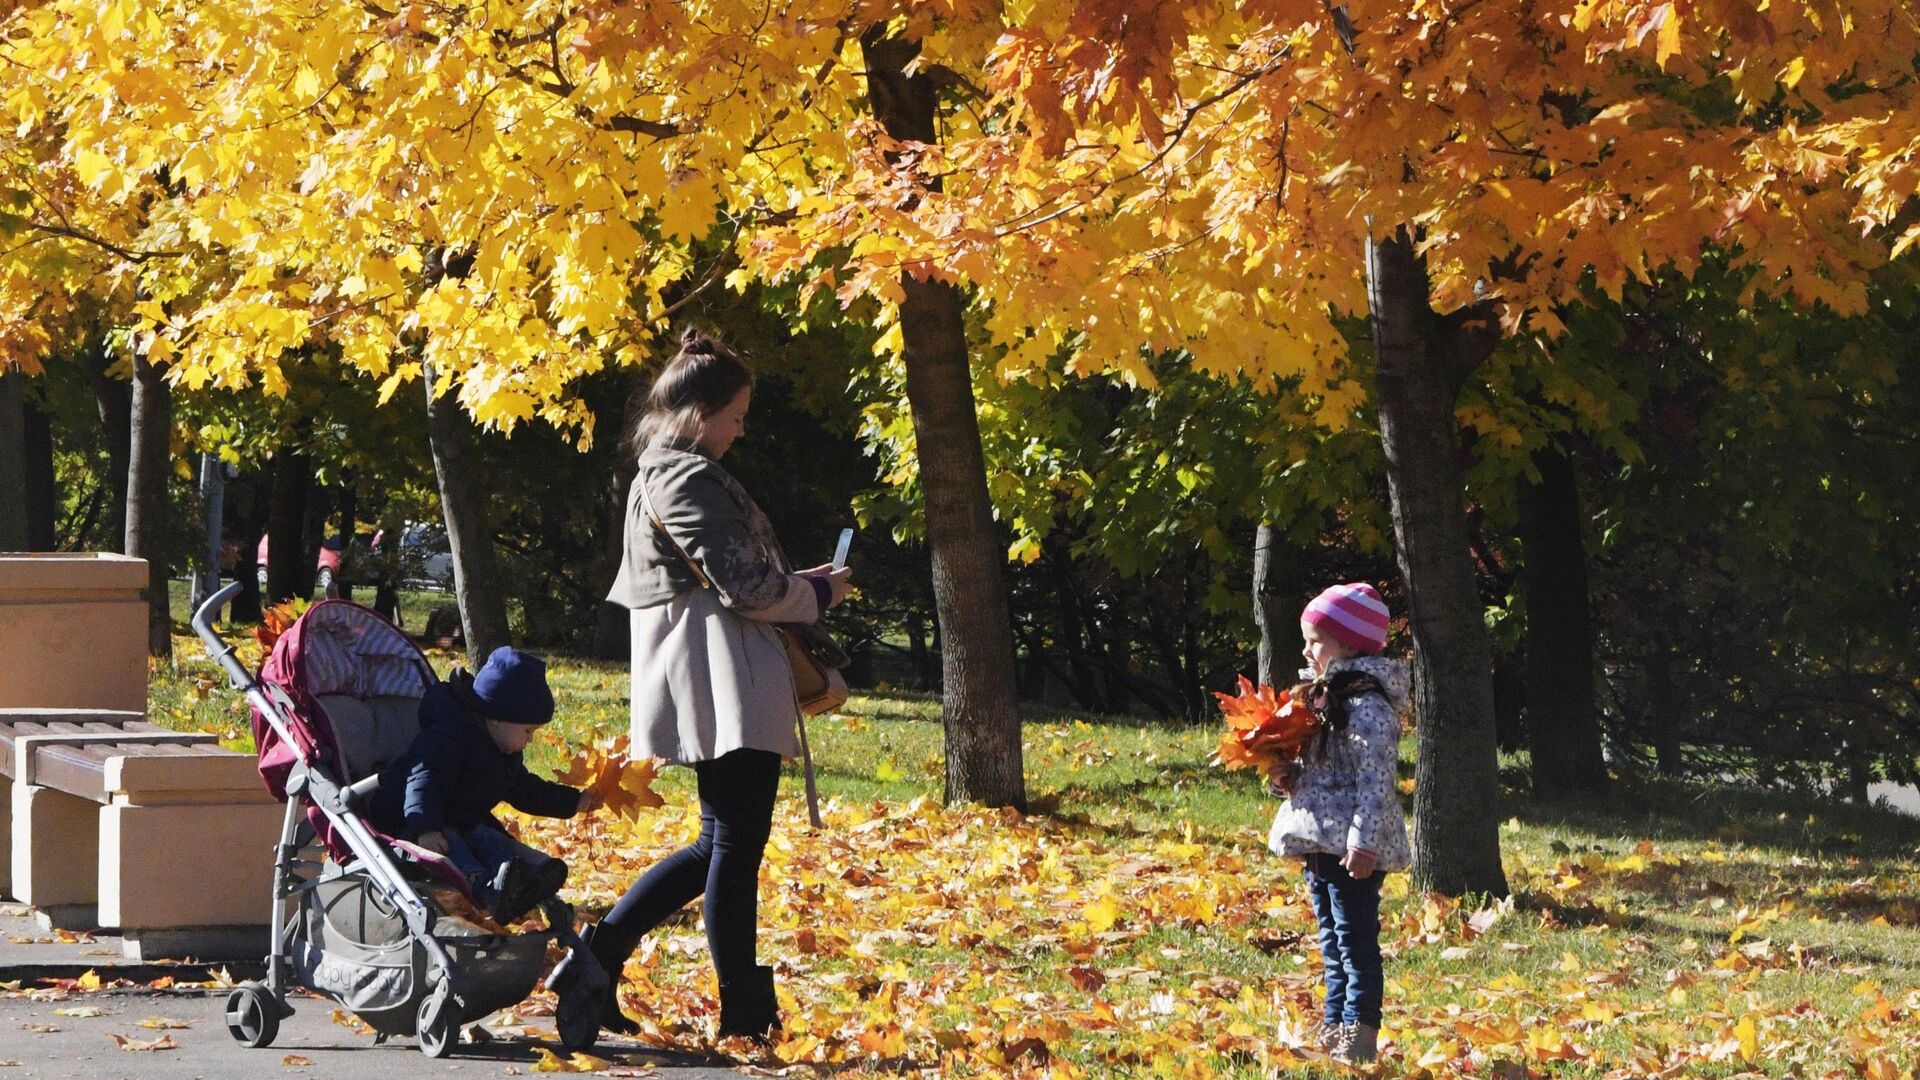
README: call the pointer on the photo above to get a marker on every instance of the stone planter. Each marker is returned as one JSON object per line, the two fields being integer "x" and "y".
{"x": 73, "y": 631}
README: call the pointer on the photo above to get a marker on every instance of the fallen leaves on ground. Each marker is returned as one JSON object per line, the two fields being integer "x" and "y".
{"x": 164, "y": 1042}
{"x": 549, "y": 1062}
{"x": 912, "y": 936}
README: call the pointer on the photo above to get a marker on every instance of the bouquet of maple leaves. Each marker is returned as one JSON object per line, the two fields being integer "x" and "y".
{"x": 622, "y": 784}
{"x": 1266, "y": 728}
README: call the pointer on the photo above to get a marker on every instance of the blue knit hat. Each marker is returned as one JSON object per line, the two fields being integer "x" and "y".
{"x": 512, "y": 687}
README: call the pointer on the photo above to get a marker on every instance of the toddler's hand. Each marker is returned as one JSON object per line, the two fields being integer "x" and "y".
{"x": 1281, "y": 778}
{"x": 1360, "y": 863}
{"x": 589, "y": 802}
{"x": 433, "y": 841}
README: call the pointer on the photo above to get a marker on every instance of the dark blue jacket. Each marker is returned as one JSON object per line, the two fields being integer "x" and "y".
{"x": 453, "y": 776}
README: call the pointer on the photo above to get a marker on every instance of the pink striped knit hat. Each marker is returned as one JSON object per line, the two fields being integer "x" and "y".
{"x": 1354, "y": 615}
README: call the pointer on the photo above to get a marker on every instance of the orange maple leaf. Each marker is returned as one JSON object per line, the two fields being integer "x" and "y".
{"x": 622, "y": 784}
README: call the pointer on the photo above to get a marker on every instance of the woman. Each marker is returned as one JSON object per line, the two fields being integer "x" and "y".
{"x": 711, "y": 685}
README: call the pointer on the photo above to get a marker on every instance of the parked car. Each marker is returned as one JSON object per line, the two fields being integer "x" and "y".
{"x": 426, "y": 560}
{"x": 326, "y": 565}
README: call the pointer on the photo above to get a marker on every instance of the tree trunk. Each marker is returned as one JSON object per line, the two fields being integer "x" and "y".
{"x": 969, "y": 588}
{"x": 13, "y": 459}
{"x": 150, "y": 462}
{"x": 613, "y": 625}
{"x": 1278, "y": 584}
{"x": 213, "y": 491}
{"x": 114, "y": 399}
{"x": 1665, "y": 707}
{"x": 463, "y": 506}
{"x": 1563, "y": 726}
{"x": 1086, "y": 690}
{"x": 349, "y": 519}
{"x": 42, "y": 490}
{"x": 249, "y": 497}
{"x": 1422, "y": 361}
{"x": 289, "y": 561}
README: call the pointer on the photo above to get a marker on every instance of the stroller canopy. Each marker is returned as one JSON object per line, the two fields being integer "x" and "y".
{"x": 338, "y": 651}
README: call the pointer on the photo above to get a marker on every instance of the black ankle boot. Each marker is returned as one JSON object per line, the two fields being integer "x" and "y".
{"x": 749, "y": 1007}
{"x": 611, "y": 948}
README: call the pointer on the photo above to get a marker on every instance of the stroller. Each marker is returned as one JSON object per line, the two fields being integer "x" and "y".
{"x": 372, "y": 925}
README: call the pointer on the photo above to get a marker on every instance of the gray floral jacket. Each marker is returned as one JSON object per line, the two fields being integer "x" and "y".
{"x": 1348, "y": 799}
{"x": 717, "y": 523}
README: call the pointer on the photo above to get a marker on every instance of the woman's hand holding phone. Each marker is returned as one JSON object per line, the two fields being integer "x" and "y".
{"x": 839, "y": 581}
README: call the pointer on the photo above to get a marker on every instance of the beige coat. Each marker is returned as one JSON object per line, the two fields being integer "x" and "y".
{"x": 710, "y": 674}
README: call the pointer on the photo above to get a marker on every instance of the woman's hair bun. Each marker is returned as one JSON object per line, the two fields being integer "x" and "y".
{"x": 695, "y": 343}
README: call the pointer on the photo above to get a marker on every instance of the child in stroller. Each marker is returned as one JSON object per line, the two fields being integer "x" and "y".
{"x": 466, "y": 760}
{"x": 368, "y": 921}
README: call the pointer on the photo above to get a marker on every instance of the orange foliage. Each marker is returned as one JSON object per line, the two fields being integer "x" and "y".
{"x": 623, "y": 785}
{"x": 1265, "y": 727}
{"x": 276, "y": 620}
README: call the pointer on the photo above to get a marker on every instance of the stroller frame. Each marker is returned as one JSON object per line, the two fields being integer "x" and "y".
{"x": 254, "y": 1009}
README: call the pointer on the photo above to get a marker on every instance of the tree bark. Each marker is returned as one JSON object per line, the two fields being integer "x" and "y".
{"x": 1073, "y": 637}
{"x": 463, "y": 506}
{"x": 349, "y": 523}
{"x": 114, "y": 399}
{"x": 249, "y": 497}
{"x": 42, "y": 490}
{"x": 1563, "y": 727}
{"x": 1278, "y": 582}
{"x": 150, "y": 462}
{"x": 1421, "y": 362}
{"x": 613, "y": 624}
{"x": 13, "y": 460}
{"x": 1665, "y": 705}
{"x": 213, "y": 490}
{"x": 970, "y": 593}
{"x": 289, "y": 560}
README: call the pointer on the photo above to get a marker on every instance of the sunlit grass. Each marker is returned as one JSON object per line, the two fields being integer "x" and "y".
{"x": 1652, "y": 929}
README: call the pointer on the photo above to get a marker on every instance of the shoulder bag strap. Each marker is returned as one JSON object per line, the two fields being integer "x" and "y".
{"x": 806, "y": 752}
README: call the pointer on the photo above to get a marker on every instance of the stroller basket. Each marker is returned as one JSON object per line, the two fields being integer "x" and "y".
{"x": 353, "y": 947}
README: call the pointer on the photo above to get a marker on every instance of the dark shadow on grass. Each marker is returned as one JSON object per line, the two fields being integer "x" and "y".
{"x": 1661, "y": 810}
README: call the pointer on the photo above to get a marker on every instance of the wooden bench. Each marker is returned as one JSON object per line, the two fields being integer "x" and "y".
{"x": 119, "y": 823}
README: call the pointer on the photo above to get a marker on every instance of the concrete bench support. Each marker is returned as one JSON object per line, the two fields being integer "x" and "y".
{"x": 185, "y": 858}
{"x": 56, "y": 843}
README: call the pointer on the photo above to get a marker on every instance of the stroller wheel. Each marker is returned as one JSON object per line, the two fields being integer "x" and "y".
{"x": 437, "y": 1027}
{"x": 253, "y": 1015}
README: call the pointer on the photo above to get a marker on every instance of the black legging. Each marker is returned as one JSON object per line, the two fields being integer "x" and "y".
{"x": 736, "y": 815}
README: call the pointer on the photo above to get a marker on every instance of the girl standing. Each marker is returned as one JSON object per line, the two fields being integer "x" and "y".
{"x": 1343, "y": 816}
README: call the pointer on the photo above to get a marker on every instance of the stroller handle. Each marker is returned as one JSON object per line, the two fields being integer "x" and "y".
{"x": 218, "y": 649}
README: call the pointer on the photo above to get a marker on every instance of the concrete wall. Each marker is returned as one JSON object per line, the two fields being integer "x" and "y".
{"x": 73, "y": 631}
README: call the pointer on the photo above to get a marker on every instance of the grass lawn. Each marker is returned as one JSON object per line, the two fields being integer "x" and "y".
{"x": 1135, "y": 924}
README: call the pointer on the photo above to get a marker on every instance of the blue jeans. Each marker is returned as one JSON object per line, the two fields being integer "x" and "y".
{"x": 1348, "y": 910}
{"x": 480, "y": 851}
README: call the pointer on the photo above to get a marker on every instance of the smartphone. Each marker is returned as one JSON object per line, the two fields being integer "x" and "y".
{"x": 840, "y": 549}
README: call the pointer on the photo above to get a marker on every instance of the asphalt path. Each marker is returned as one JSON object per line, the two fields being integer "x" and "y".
{"x": 139, "y": 1026}
{"x": 160, "y": 1035}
